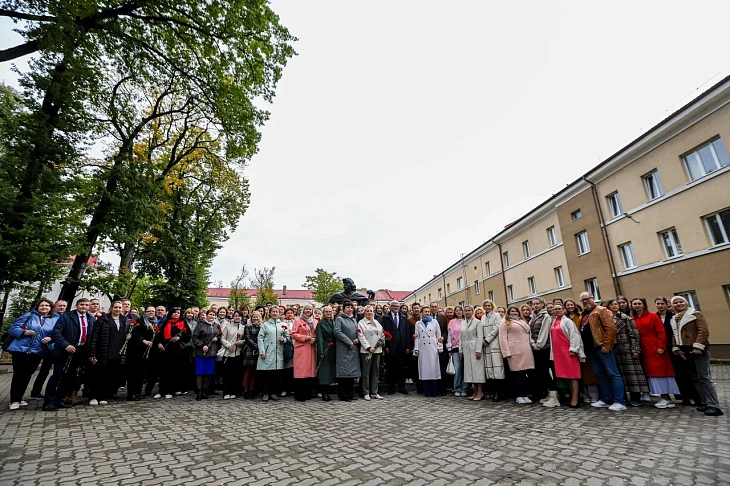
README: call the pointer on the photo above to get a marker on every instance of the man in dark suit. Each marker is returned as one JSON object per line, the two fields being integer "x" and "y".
{"x": 69, "y": 338}
{"x": 398, "y": 349}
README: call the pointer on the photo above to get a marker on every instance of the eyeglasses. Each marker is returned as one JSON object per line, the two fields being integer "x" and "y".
{"x": 585, "y": 300}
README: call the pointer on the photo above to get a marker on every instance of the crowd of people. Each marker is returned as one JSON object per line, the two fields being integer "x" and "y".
{"x": 556, "y": 353}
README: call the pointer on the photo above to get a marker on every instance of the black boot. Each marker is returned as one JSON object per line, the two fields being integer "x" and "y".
{"x": 199, "y": 396}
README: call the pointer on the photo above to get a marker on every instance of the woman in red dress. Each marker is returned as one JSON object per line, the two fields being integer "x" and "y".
{"x": 566, "y": 351}
{"x": 654, "y": 357}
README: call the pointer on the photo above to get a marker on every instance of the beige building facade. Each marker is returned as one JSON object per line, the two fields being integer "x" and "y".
{"x": 651, "y": 220}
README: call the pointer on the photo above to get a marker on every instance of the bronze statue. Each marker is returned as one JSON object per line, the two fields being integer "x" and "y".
{"x": 350, "y": 293}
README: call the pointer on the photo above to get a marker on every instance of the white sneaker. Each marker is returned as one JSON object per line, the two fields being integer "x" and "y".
{"x": 662, "y": 403}
{"x": 600, "y": 404}
{"x": 283, "y": 394}
{"x": 617, "y": 407}
{"x": 157, "y": 396}
{"x": 94, "y": 402}
{"x": 23, "y": 403}
{"x": 168, "y": 396}
{"x": 645, "y": 398}
{"x": 377, "y": 397}
{"x": 526, "y": 401}
{"x": 103, "y": 402}
{"x": 367, "y": 397}
{"x": 319, "y": 395}
{"x": 519, "y": 401}
{"x": 15, "y": 406}
{"x": 177, "y": 394}
{"x": 232, "y": 396}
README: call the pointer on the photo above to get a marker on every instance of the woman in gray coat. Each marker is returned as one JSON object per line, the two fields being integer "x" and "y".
{"x": 347, "y": 352}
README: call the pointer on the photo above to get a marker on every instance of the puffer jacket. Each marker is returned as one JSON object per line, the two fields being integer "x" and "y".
{"x": 43, "y": 326}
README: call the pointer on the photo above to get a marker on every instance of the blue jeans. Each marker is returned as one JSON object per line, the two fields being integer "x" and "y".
{"x": 459, "y": 385}
{"x": 612, "y": 385}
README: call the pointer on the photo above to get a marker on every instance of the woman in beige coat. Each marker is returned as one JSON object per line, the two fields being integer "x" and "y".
{"x": 493, "y": 361}
{"x": 471, "y": 351}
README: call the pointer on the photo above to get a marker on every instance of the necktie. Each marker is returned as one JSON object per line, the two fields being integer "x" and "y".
{"x": 395, "y": 319}
{"x": 83, "y": 329}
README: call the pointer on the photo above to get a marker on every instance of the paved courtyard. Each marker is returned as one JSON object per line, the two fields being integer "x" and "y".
{"x": 399, "y": 440}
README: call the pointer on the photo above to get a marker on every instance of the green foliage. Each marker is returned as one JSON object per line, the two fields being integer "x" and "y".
{"x": 263, "y": 282}
{"x": 323, "y": 284}
{"x": 238, "y": 297}
{"x": 103, "y": 280}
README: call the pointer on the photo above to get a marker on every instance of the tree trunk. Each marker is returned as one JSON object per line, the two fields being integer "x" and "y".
{"x": 6, "y": 298}
{"x": 126, "y": 257}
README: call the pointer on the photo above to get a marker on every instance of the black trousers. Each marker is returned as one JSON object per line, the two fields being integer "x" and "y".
{"x": 172, "y": 372}
{"x": 65, "y": 377}
{"x": 24, "y": 365}
{"x": 303, "y": 388}
{"x": 135, "y": 374}
{"x": 542, "y": 380}
{"x": 396, "y": 365}
{"x": 232, "y": 375}
{"x": 446, "y": 379}
{"x": 345, "y": 389}
{"x": 43, "y": 373}
{"x": 270, "y": 381}
{"x": 105, "y": 379}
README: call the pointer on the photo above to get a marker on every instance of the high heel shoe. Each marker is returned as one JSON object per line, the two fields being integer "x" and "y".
{"x": 577, "y": 405}
{"x": 478, "y": 399}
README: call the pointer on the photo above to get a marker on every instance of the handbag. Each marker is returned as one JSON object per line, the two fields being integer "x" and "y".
{"x": 7, "y": 339}
{"x": 450, "y": 370}
{"x": 288, "y": 350}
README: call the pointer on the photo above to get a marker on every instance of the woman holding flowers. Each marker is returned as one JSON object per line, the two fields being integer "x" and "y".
{"x": 271, "y": 338}
{"x": 372, "y": 339}
{"x": 138, "y": 351}
{"x": 325, "y": 340}
{"x": 347, "y": 362}
{"x": 232, "y": 342}
{"x": 251, "y": 353}
{"x": 427, "y": 346}
{"x": 206, "y": 341}
{"x": 305, "y": 359}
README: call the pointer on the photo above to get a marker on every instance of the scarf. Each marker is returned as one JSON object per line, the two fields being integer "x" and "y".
{"x": 168, "y": 328}
{"x": 309, "y": 320}
{"x": 426, "y": 320}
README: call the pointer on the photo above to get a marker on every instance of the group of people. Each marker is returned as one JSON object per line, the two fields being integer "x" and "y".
{"x": 609, "y": 355}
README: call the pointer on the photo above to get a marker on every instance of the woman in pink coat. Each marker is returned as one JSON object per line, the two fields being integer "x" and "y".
{"x": 516, "y": 345}
{"x": 305, "y": 354}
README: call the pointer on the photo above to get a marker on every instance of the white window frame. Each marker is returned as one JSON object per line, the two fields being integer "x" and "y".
{"x": 614, "y": 204}
{"x": 559, "y": 276}
{"x": 586, "y": 246}
{"x": 693, "y": 159}
{"x": 505, "y": 255}
{"x": 532, "y": 285}
{"x": 671, "y": 243}
{"x": 526, "y": 249}
{"x": 488, "y": 267}
{"x": 459, "y": 283}
{"x": 691, "y": 297}
{"x": 725, "y": 232}
{"x": 552, "y": 236}
{"x": 627, "y": 255}
{"x": 477, "y": 290}
{"x": 510, "y": 293}
{"x": 575, "y": 215}
{"x": 491, "y": 295}
{"x": 441, "y": 294}
{"x": 653, "y": 185}
{"x": 462, "y": 304}
{"x": 592, "y": 288}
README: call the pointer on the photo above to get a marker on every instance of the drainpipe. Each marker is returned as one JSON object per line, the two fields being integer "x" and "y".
{"x": 446, "y": 294}
{"x": 501, "y": 265}
{"x": 606, "y": 240}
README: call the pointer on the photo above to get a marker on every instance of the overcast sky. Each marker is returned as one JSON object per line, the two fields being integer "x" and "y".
{"x": 407, "y": 133}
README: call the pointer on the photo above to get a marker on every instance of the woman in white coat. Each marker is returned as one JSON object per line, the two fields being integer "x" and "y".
{"x": 471, "y": 352}
{"x": 493, "y": 361}
{"x": 427, "y": 347}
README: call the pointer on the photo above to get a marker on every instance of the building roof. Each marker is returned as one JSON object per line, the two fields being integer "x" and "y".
{"x": 305, "y": 294}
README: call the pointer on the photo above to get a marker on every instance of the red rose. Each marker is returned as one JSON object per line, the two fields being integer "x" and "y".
{"x": 283, "y": 327}
{"x": 330, "y": 344}
{"x": 157, "y": 329}
{"x": 238, "y": 336}
{"x": 24, "y": 326}
{"x": 358, "y": 330}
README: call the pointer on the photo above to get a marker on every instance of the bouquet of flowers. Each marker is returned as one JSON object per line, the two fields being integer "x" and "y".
{"x": 349, "y": 351}
{"x": 130, "y": 325}
{"x": 155, "y": 330}
{"x": 379, "y": 344}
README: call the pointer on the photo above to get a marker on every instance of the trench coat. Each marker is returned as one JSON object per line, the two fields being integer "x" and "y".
{"x": 516, "y": 343}
{"x": 268, "y": 343}
{"x": 427, "y": 346}
{"x": 305, "y": 358}
{"x": 653, "y": 337}
{"x": 471, "y": 343}
{"x": 325, "y": 335}
{"x": 628, "y": 343}
{"x": 347, "y": 360}
{"x": 491, "y": 353}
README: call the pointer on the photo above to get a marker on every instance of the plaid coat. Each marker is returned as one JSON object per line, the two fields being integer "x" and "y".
{"x": 251, "y": 346}
{"x": 627, "y": 343}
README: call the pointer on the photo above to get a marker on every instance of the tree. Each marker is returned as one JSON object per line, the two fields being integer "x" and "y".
{"x": 238, "y": 296}
{"x": 263, "y": 282}
{"x": 323, "y": 284}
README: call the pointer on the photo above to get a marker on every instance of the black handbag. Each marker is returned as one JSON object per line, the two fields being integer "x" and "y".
{"x": 288, "y": 350}
{"x": 7, "y": 339}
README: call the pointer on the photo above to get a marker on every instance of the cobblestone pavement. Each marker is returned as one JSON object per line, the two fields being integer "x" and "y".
{"x": 399, "y": 440}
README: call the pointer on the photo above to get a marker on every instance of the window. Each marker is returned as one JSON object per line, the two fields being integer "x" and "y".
{"x": 491, "y": 295}
{"x": 725, "y": 287}
{"x": 706, "y": 159}
{"x": 531, "y": 284}
{"x": 459, "y": 284}
{"x": 462, "y": 304}
{"x": 448, "y": 289}
{"x": 576, "y": 214}
{"x": 627, "y": 255}
{"x": 488, "y": 269}
{"x": 506, "y": 259}
{"x": 510, "y": 293}
{"x": 718, "y": 225}
{"x": 653, "y": 185}
{"x": 670, "y": 240}
{"x": 429, "y": 297}
{"x": 440, "y": 294}
{"x": 691, "y": 297}
{"x": 559, "y": 277}
{"x": 614, "y": 204}
{"x": 526, "y": 249}
{"x": 552, "y": 236}
{"x": 592, "y": 288}
{"x": 583, "y": 245}
{"x": 476, "y": 287}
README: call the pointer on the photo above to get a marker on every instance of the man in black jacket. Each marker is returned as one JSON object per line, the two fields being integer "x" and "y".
{"x": 68, "y": 338}
{"x": 398, "y": 349}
